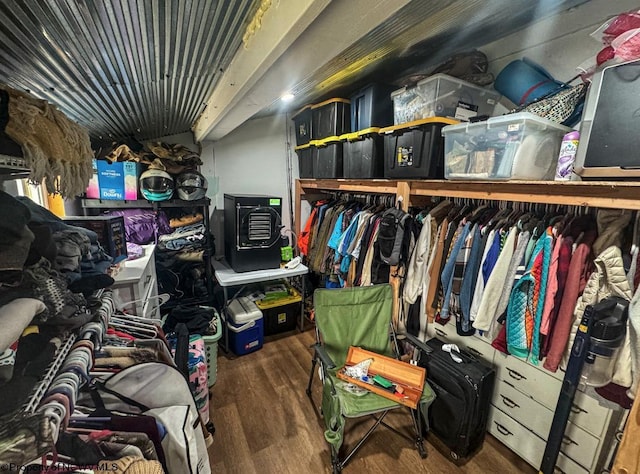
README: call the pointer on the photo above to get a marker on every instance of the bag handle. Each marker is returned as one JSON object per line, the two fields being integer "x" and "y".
{"x": 245, "y": 326}
{"x": 100, "y": 386}
{"x": 561, "y": 86}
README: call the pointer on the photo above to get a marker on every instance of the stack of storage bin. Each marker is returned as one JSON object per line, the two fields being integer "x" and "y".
{"x": 414, "y": 146}
{"x": 318, "y": 128}
{"x": 371, "y": 108}
{"x": 304, "y": 150}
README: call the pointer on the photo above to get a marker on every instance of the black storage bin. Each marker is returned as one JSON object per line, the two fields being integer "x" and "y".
{"x": 415, "y": 150}
{"x": 302, "y": 121}
{"x": 327, "y": 161}
{"x": 363, "y": 154}
{"x": 306, "y": 157}
{"x": 110, "y": 231}
{"x": 281, "y": 315}
{"x": 372, "y": 106}
{"x": 330, "y": 118}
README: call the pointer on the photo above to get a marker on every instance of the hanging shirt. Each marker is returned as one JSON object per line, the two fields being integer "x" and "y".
{"x": 479, "y": 289}
{"x": 434, "y": 272}
{"x": 447, "y": 272}
{"x": 491, "y": 258}
{"x": 455, "y": 309}
{"x": 468, "y": 282}
{"x": 495, "y": 284}
{"x": 544, "y": 246}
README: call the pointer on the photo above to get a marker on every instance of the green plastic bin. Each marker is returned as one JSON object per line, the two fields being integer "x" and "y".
{"x": 211, "y": 347}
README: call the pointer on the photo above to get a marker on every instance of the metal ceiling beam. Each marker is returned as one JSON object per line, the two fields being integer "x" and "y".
{"x": 280, "y": 25}
{"x": 307, "y": 49}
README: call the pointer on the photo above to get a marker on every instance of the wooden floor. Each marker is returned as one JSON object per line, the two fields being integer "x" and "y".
{"x": 265, "y": 423}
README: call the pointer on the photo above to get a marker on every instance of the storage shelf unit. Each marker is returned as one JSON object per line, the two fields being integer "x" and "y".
{"x": 156, "y": 205}
{"x": 142, "y": 204}
{"x": 605, "y": 194}
{"x": 525, "y": 431}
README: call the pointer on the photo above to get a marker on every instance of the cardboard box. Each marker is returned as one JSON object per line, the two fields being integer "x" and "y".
{"x": 410, "y": 378}
{"x": 110, "y": 230}
{"x": 116, "y": 181}
{"x": 93, "y": 189}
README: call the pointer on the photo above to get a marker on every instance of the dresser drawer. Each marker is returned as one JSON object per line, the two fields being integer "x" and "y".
{"x": 481, "y": 348}
{"x": 525, "y": 443}
{"x": 147, "y": 278}
{"x": 527, "y": 379}
{"x": 578, "y": 444}
{"x": 587, "y": 413}
{"x": 446, "y": 333}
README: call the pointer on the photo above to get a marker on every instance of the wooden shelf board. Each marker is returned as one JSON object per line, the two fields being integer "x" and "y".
{"x": 595, "y": 193}
{"x": 380, "y": 186}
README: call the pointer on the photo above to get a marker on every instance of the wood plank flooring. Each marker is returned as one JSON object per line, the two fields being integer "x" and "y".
{"x": 265, "y": 423}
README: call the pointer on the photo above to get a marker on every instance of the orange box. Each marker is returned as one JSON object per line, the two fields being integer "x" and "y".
{"x": 409, "y": 377}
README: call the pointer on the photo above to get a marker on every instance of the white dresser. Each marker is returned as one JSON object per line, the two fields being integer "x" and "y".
{"x": 136, "y": 285}
{"x": 523, "y": 404}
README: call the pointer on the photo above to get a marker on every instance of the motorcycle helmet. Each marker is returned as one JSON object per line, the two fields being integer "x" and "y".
{"x": 156, "y": 185}
{"x": 191, "y": 186}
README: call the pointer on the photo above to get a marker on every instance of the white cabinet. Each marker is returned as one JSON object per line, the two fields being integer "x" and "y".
{"x": 523, "y": 404}
{"x": 136, "y": 287}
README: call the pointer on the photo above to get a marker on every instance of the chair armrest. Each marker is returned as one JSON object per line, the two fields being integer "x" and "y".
{"x": 323, "y": 355}
{"x": 417, "y": 343}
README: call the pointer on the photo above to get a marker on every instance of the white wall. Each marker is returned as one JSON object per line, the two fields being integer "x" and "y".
{"x": 559, "y": 43}
{"x": 253, "y": 159}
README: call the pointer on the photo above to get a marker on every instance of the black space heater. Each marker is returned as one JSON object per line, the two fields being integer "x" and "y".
{"x": 252, "y": 226}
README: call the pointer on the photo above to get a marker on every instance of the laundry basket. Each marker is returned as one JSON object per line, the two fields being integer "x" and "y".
{"x": 211, "y": 347}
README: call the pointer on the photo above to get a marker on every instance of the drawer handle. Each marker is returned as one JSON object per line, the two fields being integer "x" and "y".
{"x": 575, "y": 409}
{"x": 515, "y": 375}
{"x": 475, "y": 351}
{"x": 510, "y": 403}
{"x": 566, "y": 440}
{"x": 440, "y": 333}
{"x": 502, "y": 429}
{"x": 147, "y": 280}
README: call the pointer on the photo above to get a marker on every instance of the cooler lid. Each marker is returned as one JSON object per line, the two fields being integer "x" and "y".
{"x": 417, "y": 124}
{"x": 330, "y": 101}
{"x": 242, "y": 310}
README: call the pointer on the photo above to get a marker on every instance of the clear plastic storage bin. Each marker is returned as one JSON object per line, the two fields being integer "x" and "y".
{"x": 518, "y": 146}
{"x": 442, "y": 96}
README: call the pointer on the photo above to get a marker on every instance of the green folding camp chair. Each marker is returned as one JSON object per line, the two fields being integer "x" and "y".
{"x": 358, "y": 317}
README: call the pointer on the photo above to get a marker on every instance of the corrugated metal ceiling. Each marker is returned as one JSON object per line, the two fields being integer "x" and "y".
{"x": 421, "y": 35}
{"x": 123, "y": 68}
{"x": 145, "y": 68}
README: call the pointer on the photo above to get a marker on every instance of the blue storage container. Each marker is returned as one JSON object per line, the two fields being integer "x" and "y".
{"x": 245, "y": 327}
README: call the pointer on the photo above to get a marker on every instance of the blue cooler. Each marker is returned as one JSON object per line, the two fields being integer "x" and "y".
{"x": 245, "y": 328}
